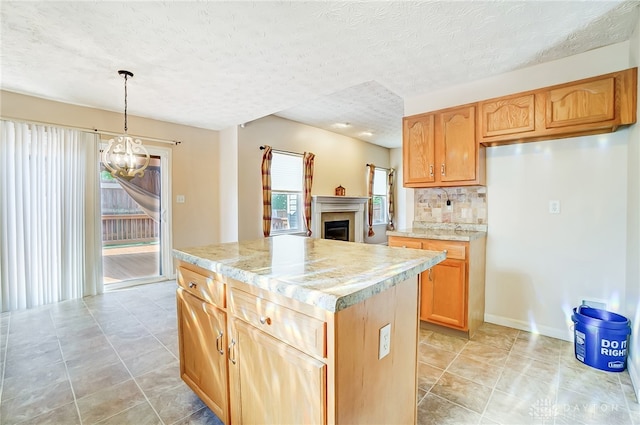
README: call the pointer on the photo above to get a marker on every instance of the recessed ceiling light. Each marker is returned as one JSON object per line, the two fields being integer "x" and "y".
{"x": 366, "y": 134}
{"x": 342, "y": 125}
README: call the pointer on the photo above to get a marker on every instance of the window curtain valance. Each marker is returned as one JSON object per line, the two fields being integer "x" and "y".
{"x": 390, "y": 200}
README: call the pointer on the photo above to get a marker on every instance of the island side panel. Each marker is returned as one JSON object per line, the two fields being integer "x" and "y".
{"x": 477, "y": 255}
{"x": 368, "y": 389}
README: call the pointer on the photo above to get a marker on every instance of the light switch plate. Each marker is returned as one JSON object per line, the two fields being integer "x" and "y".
{"x": 554, "y": 207}
{"x": 180, "y": 199}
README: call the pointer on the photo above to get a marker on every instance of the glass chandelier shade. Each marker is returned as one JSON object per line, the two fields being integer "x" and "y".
{"x": 124, "y": 156}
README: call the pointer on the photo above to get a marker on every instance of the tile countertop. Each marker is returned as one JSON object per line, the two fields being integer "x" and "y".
{"x": 331, "y": 275}
{"x": 439, "y": 233}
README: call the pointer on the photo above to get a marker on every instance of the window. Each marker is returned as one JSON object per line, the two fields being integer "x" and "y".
{"x": 380, "y": 179}
{"x": 287, "y": 203}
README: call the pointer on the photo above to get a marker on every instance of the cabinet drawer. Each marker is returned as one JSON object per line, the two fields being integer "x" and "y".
{"x": 405, "y": 243}
{"x": 299, "y": 330}
{"x": 454, "y": 250}
{"x": 204, "y": 287}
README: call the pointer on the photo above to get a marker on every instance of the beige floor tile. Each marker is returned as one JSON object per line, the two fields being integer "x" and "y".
{"x": 521, "y": 410}
{"x": 476, "y": 371}
{"x": 464, "y": 392}
{"x": 203, "y": 416}
{"x": 485, "y": 353}
{"x": 495, "y": 336}
{"x": 139, "y": 365}
{"x": 176, "y": 403}
{"x": 160, "y": 380}
{"x": 605, "y": 389}
{"x": 63, "y": 415}
{"x": 140, "y": 414}
{"x": 109, "y": 401}
{"x": 428, "y": 375}
{"x": 41, "y": 400}
{"x": 27, "y": 380}
{"x": 434, "y": 410}
{"x": 587, "y": 410}
{"x": 435, "y": 356}
{"x": 446, "y": 342}
{"x": 539, "y": 369}
{"x": 81, "y": 347}
{"x": 516, "y": 383}
{"x": 88, "y": 380}
{"x": 128, "y": 348}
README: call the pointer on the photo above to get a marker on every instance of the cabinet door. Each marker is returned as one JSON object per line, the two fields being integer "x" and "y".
{"x": 507, "y": 115}
{"x": 203, "y": 363}
{"x": 457, "y": 145}
{"x": 444, "y": 294}
{"x": 419, "y": 149}
{"x": 278, "y": 384}
{"x": 582, "y": 103}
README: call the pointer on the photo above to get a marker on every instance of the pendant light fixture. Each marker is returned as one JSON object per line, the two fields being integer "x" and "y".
{"x": 125, "y": 157}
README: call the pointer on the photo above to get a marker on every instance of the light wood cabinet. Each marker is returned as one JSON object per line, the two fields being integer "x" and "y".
{"x": 275, "y": 383}
{"x": 282, "y": 361}
{"x": 594, "y": 105}
{"x": 202, "y": 330}
{"x": 451, "y": 292}
{"x": 440, "y": 149}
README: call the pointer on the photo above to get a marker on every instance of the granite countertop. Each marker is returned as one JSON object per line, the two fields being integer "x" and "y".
{"x": 447, "y": 234}
{"x": 331, "y": 275}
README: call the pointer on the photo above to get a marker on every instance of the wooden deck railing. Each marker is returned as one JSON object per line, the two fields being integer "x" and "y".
{"x": 128, "y": 228}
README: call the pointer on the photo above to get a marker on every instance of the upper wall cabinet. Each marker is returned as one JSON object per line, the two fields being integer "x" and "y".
{"x": 440, "y": 149}
{"x": 589, "y": 106}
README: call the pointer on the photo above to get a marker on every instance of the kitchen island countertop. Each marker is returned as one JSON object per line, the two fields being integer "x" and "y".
{"x": 331, "y": 275}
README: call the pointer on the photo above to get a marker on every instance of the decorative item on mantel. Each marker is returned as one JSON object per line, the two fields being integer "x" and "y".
{"x": 340, "y": 191}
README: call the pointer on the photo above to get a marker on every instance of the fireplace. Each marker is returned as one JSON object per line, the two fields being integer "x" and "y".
{"x": 337, "y": 230}
{"x": 338, "y": 208}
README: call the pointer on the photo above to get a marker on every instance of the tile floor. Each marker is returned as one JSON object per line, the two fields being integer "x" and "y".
{"x": 112, "y": 359}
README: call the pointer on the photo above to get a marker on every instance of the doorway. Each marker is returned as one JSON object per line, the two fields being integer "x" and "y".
{"x": 136, "y": 234}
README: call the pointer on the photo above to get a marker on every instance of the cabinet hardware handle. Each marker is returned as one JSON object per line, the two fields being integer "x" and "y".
{"x": 442, "y": 169}
{"x": 265, "y": 320}
{"x": 233, "y": 342}
{"x": 404, "y": 246}
{"x": 192, "y": 285}
{"x": 446, "y": 252}
{"x": 430, "y": 280}
{"x": 431, "y": 170}
{"x": 219, "y": 343}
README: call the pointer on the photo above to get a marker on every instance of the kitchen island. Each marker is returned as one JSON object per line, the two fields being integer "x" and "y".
{"x": 291, "y": 329}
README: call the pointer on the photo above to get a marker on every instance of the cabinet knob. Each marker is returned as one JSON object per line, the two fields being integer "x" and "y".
{"x": 431, "y": 170}
{"x": 192, "y": 285}
{"x": 442, "y": 169}
{"x": 265, "y": 320}
{"x": 445, "y": 252}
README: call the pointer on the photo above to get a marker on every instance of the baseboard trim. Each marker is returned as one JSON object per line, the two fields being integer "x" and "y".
{"x": 634, "y": 374}
{"x": 564, "y": 334}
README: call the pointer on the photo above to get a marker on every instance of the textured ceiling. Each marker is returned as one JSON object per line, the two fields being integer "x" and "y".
{"x": 218, "y": 64}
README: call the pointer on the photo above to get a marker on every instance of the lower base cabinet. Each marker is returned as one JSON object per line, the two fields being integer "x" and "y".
{"x": 254, "y": 356}
{"x": 451, "y": 292}
{"x": 203, "y": 363}
{"x": 273, "y": 382}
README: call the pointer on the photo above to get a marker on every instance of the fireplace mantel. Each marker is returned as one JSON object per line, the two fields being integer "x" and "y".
{"x": 322, "y": 204}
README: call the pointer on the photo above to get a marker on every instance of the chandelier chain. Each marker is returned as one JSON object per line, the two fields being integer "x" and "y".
{"x": 125, "y": 103}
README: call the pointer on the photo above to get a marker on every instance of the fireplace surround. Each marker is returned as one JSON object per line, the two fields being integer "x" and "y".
{"x": 332, "y": 208}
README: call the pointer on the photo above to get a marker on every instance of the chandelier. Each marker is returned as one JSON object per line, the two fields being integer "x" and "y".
{"x": 125, "y": 157}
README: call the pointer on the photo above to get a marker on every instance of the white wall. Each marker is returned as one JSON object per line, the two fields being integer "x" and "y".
{"x": 228, "y": 184}
{"x": 339, "y": 160}
{"x": 539, "y": 266}
{"x": 633, "y": 230}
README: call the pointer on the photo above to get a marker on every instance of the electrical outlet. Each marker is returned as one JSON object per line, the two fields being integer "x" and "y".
{"x": 554, "y": 207}
{"x": 385, "y": 341}
{"x": 600, "y": 304}
{"x": 180, "y": 199}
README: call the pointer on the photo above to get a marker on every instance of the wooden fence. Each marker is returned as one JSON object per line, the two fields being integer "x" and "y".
{"x": 128, "y": 229}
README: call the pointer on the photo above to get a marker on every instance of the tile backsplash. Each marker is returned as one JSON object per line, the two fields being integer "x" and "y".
{"x": 468, "y": 205}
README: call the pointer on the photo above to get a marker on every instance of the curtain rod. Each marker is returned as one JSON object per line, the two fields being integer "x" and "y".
{"x": 281, "y": 151}
{"x": 382, "y": 168}
{"x": 93, "y": 130}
